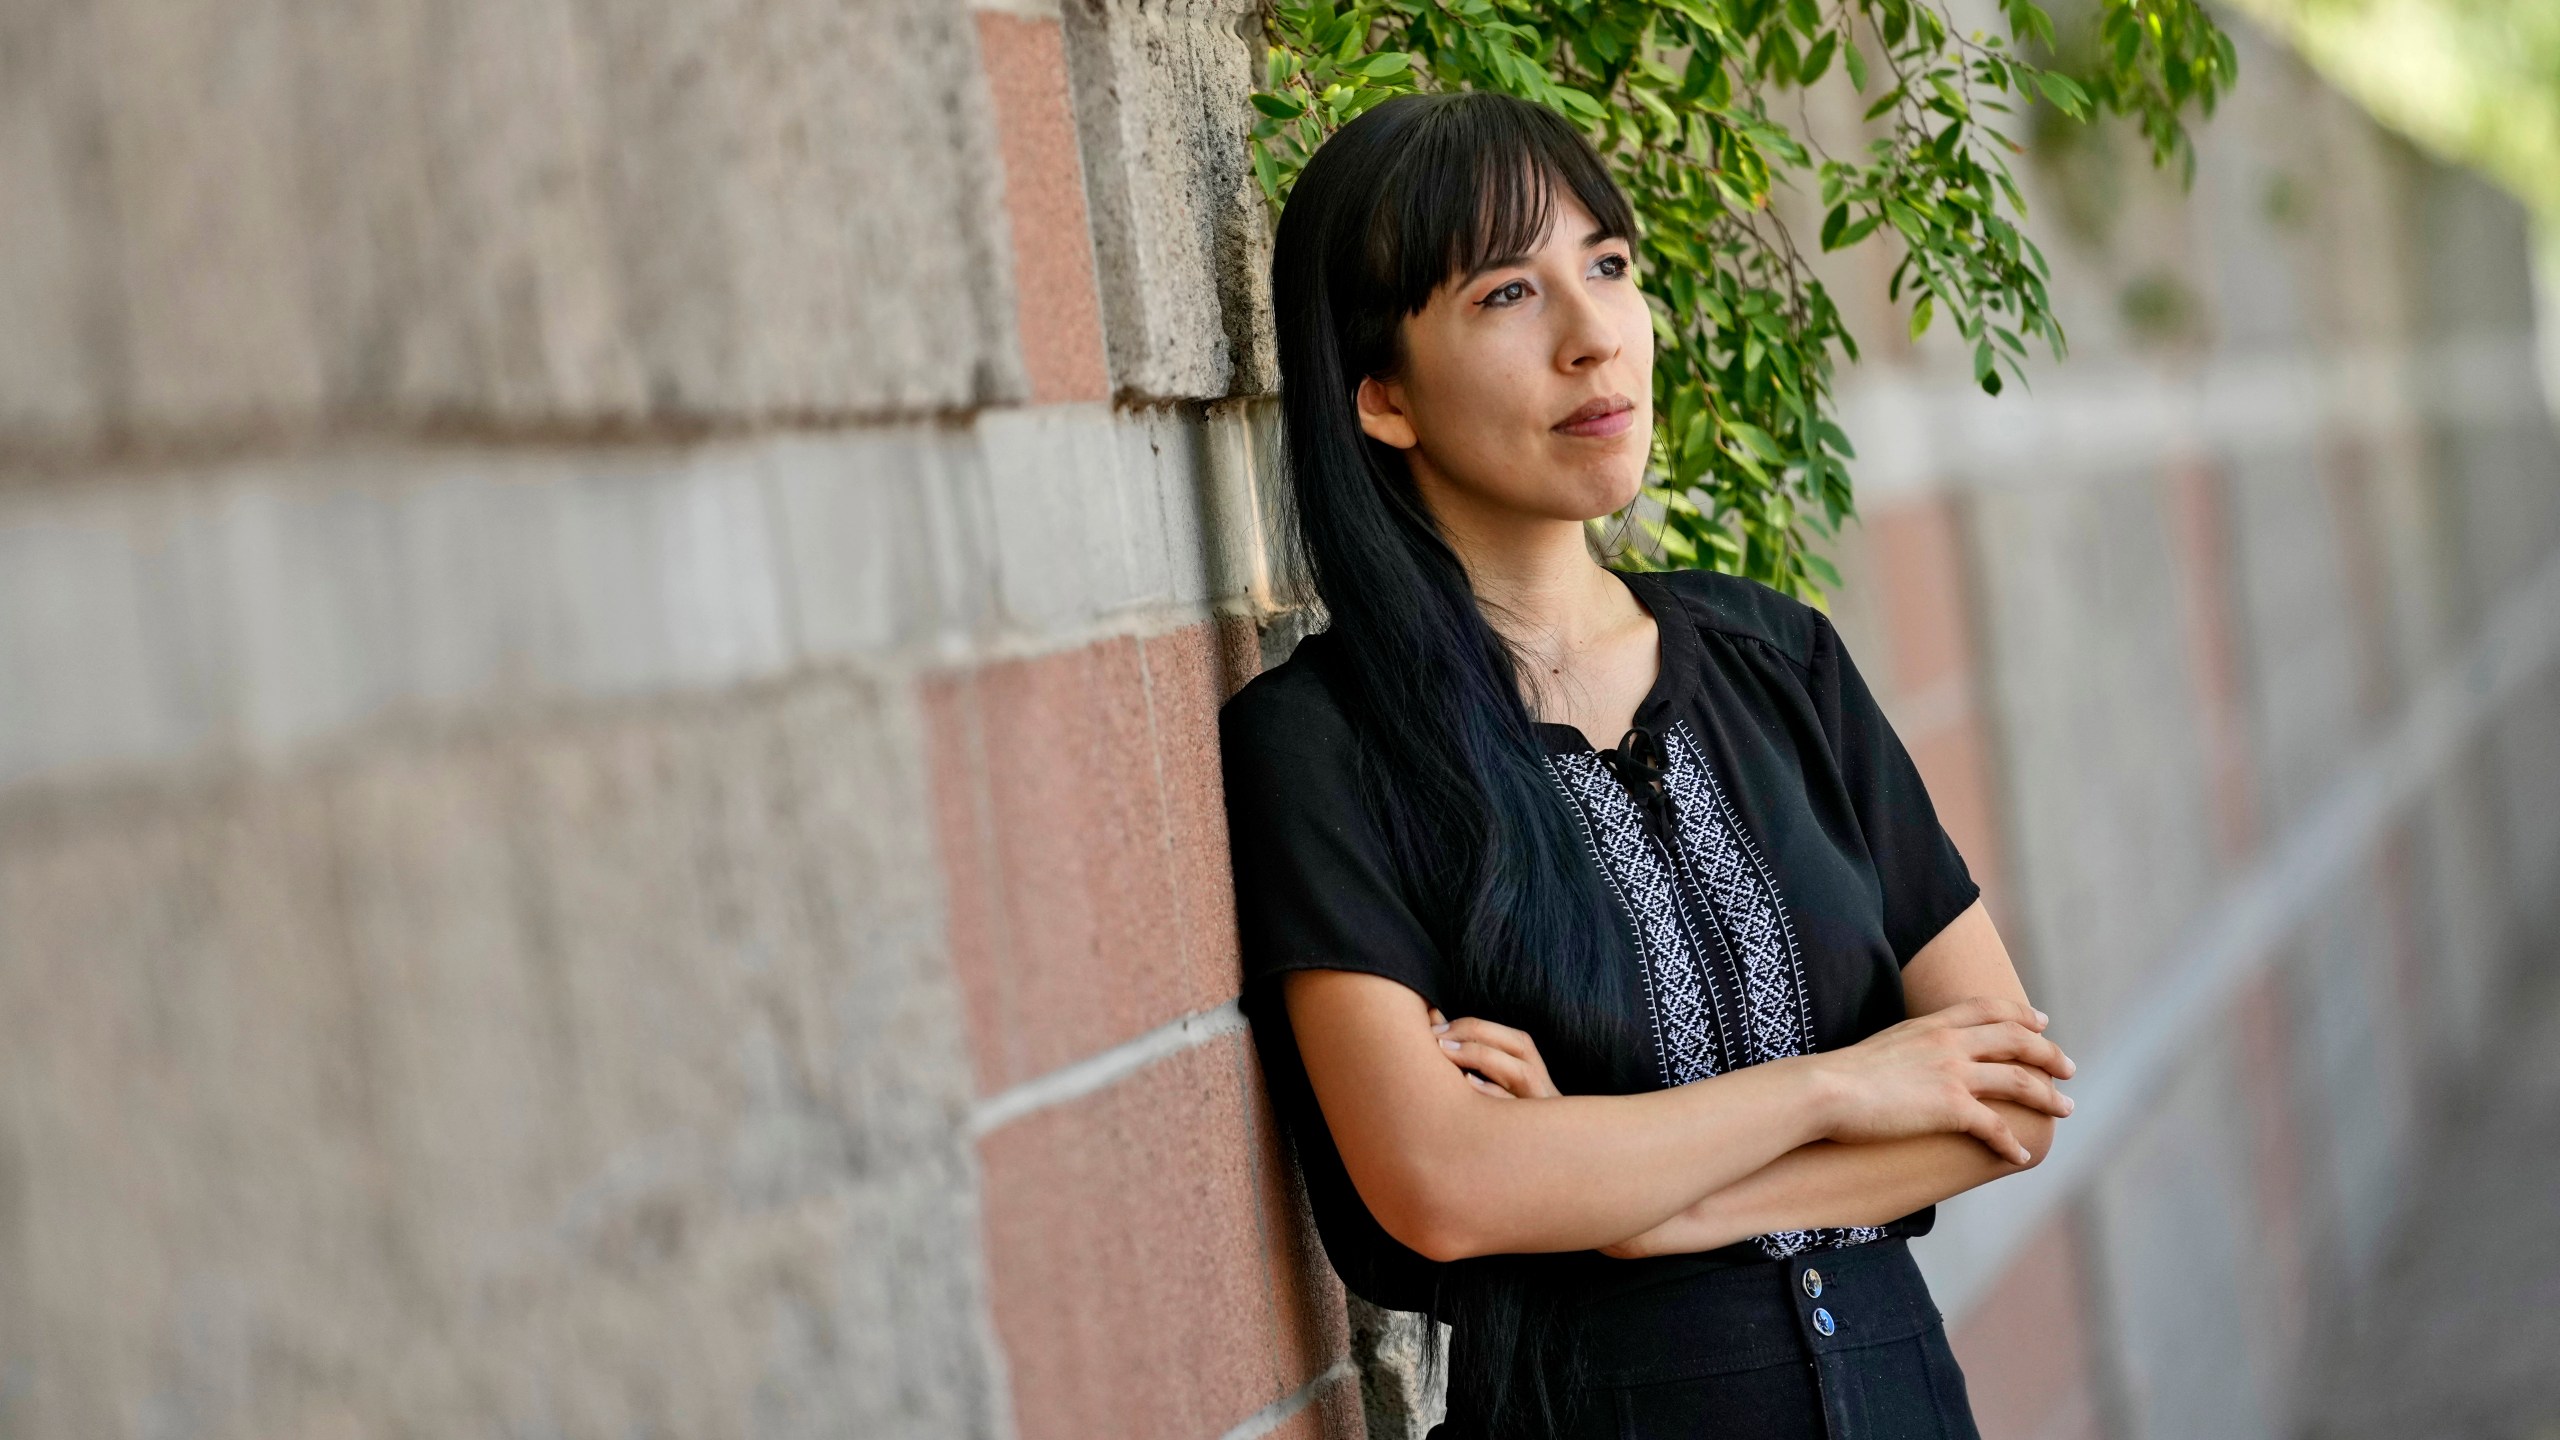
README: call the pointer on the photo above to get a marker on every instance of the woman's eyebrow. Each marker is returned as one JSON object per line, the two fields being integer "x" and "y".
{"x": 1521, "y": 257}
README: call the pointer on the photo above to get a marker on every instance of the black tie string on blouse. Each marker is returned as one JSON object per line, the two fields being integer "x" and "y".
{"x": 1640, "y": 765}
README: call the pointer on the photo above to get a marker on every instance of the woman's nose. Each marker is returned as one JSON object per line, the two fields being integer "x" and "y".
{"x": 1589, "y": 332}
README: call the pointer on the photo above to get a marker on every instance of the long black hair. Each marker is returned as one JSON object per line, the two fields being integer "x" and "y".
{"x": 1413, "y": 193}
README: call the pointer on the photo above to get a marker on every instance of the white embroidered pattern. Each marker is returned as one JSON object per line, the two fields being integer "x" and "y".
{"x": 1700, "y": 1025}
{"x": 1721, "y": 858}
{"x": 1681, "y": 987}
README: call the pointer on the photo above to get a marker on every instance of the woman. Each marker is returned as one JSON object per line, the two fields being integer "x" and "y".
{"x": 1732, "y": 1016}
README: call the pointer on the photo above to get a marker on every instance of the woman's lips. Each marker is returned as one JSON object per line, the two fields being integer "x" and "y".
{"x": 1601, "y": 426}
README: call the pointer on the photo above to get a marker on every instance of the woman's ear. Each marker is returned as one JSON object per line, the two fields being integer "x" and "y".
{"x": 1382, "y": 413}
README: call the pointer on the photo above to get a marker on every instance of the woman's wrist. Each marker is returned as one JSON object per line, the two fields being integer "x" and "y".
{"x": 1822, "y": 1098}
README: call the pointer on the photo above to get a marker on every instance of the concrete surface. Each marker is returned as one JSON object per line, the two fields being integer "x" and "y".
{"x": 2459, "y": 1335}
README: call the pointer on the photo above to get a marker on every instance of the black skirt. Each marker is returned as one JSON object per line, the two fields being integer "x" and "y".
{"x": 1841, "y": 1344}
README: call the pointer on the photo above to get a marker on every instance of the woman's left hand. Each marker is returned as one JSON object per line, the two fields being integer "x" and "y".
{"x": 1496, "y": 1059}
{"x": 1504, "y": 1062}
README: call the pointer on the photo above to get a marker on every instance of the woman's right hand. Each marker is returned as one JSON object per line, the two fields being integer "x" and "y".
{"x": 1931, "y": 1074}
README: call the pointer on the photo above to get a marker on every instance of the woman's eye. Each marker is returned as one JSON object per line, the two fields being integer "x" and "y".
{"x": 1621, "y": 261}
{"x": 1497, "y": 295}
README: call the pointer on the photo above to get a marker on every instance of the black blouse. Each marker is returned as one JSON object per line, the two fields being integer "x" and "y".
{"x": 1764, "y": 909}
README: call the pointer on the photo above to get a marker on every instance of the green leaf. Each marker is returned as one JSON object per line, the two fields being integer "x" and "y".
{"x": 1817, "y": 59}
{"x": 2066, "y": 95}
{"x": 1747, "y": 461}
{"x": 1755, "y": 437}
{"x": 1267, "y": 170}
{"x": 1581, "y": 104}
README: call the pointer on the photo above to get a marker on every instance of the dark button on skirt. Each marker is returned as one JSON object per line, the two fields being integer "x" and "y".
{"x": 1759, "y": 1353}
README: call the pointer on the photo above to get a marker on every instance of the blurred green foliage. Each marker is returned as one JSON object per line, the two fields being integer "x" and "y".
{"x": 1748, "y": 460}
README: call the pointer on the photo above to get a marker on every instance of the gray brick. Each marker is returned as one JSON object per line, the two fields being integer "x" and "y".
{"x": 594, "y": 1080}
{"x": 2298, "y": 623}
{"x": 241, "y": 215}
{"x": 2112, "y": 857}
{"x": 885, "y": 533}
{"x": 58, "y": 306}
{"x": 1082, "y": 523}
{"x": 259, "y": 607}
{"x": 1180, "y": 227}
{"x": 2190, "y": 1288}
{"x": 1397, "y": 1399}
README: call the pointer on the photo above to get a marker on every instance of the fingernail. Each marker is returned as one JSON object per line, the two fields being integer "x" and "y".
{"x": 2067, "y": 1106}
{"x": 2042, "y": 1018}
{"x": 1448, "y": 1044}
{"x": 1443, "y": 1025}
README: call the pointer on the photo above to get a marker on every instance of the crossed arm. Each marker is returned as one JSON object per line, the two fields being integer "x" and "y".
{"x": 1424, "y": 1117}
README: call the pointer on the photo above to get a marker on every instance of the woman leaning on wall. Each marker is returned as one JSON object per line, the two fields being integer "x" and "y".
{"x": 1730, "y": 1017}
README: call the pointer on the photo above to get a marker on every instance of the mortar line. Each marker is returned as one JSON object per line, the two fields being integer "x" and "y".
{"x": 1102, "y": 1071}
{"x": 1281, "y": 1411}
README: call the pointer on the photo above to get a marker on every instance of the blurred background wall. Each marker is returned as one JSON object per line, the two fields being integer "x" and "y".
{"x": 610, "y": 625}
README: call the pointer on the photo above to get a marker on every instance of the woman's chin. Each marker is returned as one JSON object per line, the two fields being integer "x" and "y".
{"x": 1606, "y": 495}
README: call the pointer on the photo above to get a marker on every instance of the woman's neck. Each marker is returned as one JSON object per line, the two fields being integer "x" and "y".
{"x": 1541, "y": 590}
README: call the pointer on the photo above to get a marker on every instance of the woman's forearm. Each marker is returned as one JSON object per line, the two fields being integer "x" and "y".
{"x": 1573, "y": 1173}
{"x": 1829, "y": 1183}
{"x": 1452, "y": 1171}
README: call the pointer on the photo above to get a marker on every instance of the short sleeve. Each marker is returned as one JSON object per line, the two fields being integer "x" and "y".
{"x": 1924, "y": 879}
{"x": 1316, "y": 888}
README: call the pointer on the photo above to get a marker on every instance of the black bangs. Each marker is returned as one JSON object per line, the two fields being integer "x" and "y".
{"x": 1421, "y": 190}
{"x": 1415, "y": 192}
{"x": 1476, "y": 189}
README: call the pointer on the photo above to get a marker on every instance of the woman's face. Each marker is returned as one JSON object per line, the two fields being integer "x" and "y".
{"x": 1499, "y": 365}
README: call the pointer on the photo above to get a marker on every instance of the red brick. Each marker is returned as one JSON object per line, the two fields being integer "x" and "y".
{"x": 1307, "y": 1304}
{"x": 1954, "y": 762}
{"x": 1239, "y": 643}
{"x": 1147, "y": 1267}
{"x": 1919, "y": 564}
{"x": 2025, "y": 1346}
{"x": 2262, "y": 1028}
{"x": 1184, "y": 689}
{"x": 1058, "y": 304}
{"x": 2417, "y": 1009}
{"x": 1083, "y": 836}
{"x": 1915, "y": 550}
{"x": 2348, "y": 475}
{"x": 2199, "y": 530}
